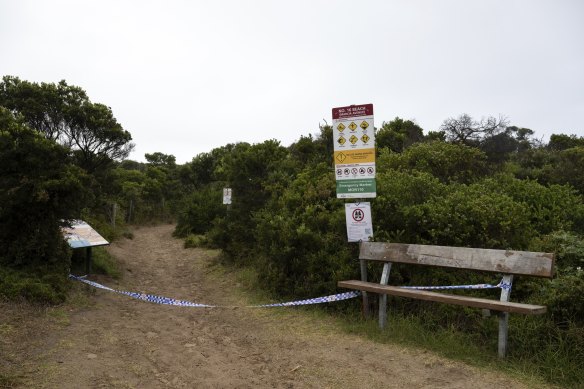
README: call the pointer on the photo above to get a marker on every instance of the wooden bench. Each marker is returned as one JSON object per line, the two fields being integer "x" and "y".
{"x": 508, "y": 263}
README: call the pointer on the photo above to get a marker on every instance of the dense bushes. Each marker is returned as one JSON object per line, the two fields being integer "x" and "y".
{"x": 286, "y": 222}
{"x": 57, "y": 153}
{"x": 301, "y": 238}
{"x": 38, "y": 190}
{"x": 447, "y": 162}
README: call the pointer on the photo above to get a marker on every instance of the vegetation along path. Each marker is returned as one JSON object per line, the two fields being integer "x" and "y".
{"x": 107, "y": 340}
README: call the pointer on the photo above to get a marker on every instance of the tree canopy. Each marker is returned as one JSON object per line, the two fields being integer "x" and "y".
{"x": 65, "y": 114}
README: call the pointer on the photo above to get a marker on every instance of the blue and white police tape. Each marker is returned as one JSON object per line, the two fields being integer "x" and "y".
{"x": 318, "y": 300}
{"x": 500, "y": 285}
{"x": 183, "y": 303}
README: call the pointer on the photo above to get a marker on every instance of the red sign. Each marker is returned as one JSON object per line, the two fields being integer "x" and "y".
{"x": 353, "y": 111}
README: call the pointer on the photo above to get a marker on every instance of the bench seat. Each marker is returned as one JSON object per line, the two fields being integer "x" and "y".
{"x": 508, "y": 263}
{"x": 493, "y": 305}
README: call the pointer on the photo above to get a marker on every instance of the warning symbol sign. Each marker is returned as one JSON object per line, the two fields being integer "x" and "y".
{"x": 353, "y": 139}
{"x": 341, "y": 127}
{"x": 341, "y": 140}
{"x": 364, "y": 125}
{"x": 358, "y": 215}
{"x": 365, "y": 138}
{"x": 341, "y": 157}
{"x": 352, "y": 126}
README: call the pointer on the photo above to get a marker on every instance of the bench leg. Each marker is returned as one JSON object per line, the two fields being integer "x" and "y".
{"x": 504, "y": 316}
{"x": 383, "y": 297}
{"x": 503, "y": 330}
{"x": 366, "y": 311}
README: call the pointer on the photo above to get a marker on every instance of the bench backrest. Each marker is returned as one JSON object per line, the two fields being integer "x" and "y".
{"x": 498, "y": 261}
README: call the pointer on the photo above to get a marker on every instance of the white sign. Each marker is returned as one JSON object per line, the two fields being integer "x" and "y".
{"x": 227, "y": 196}
{"x": 359, "y": 222}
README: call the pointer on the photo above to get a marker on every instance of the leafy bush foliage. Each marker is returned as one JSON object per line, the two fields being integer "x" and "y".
{"x": 199, "y": 209}
{"x": 287, "y": 223}
{"x": 301, "y": 245}
{"x": 445, "y": 161}
{"x": 39, "y": 189}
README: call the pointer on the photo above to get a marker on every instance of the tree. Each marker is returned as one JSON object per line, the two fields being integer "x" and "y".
{"x": 501, "y": 146}
{"x": 161, "y": 159}
{"x": 96, "y": 137}
{"x": 44, "y": 107}
{"x": 39, "y": 188}
{"x": 398, "y": 134}
{"x": 560, "y": 142}
{"x": 65, "y": 114}
{"x": 464, "y": 129}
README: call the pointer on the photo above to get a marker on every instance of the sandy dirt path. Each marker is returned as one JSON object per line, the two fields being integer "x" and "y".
{"x": 114, "y": 341}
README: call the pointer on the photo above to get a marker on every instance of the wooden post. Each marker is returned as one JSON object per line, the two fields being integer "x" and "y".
{"x": 130, "y": 210}
{"x": 88, "y": 258}
{"x": 504, "y": 316}
{"x": 114, "y": 214}
{"x": 383, "y": 297}
{"x": 366, "y": 311}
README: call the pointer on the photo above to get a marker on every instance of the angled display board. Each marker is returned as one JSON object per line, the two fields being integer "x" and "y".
{"x": 81, "y": 234}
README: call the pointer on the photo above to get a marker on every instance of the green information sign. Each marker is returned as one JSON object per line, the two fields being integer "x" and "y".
{"x": 361, "y": 188}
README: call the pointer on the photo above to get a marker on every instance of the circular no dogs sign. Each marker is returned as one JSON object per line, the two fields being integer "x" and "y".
{"x": 358, "y": 215}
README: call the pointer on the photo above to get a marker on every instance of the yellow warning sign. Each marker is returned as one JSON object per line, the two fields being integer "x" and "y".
{"x": 355, "y": 156}
{"x": 353, "y": 139}
{"x": 341, "y": 140}
{"x": 341, "y": 127}
{"x": 365, "y": 138}
{"x": 364, "y": 125}
{"x": 352, "y": 126}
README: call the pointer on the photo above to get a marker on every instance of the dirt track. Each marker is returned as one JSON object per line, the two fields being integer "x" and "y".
{"x": 118, "y": 342}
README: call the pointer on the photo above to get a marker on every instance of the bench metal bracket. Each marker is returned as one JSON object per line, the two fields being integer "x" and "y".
{"x": 504, "y": 316}
{"x": 383, "y": 297}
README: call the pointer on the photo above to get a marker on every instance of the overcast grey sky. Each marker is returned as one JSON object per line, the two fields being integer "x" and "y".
{"x": 185, "y": 77}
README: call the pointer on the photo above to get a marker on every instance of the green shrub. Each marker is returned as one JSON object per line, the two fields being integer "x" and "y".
{"x": 467, "y": 215}
{"x": 33, "y": 286}
{"x": 199, "y": 209}
{"x": 551, "y": 208}
{"x": 302, "y": 248}
{"x": 398, "y": 193}
{"x": 445, "y": 161}
{"x": 195, "y": 241}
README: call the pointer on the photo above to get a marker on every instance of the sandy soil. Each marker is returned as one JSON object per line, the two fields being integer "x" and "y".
{"x": 107, "y": 340}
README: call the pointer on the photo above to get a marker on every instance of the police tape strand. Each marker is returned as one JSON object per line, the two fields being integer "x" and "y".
{"x": 318, "y": 300}
{"x": 183, "y": 303}
{"x": 500, "y": 285}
